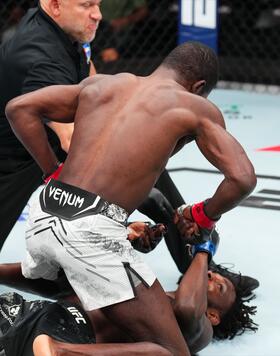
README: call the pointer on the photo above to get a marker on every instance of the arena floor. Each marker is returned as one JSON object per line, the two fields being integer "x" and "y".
{"x": 250, "y": 238}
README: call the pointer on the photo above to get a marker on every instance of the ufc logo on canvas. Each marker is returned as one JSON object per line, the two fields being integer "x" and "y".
{"x": 199, "y": 13}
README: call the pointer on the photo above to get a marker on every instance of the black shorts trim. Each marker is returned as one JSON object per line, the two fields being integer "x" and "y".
{"x": 69, "y": 202}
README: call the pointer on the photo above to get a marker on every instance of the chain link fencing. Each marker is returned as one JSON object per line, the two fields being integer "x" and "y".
{"x": 249, "y": 44}
{"x": 137, "y": 34}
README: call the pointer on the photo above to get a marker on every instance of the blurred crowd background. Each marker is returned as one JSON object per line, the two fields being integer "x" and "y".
{"x": 135, "y": 35}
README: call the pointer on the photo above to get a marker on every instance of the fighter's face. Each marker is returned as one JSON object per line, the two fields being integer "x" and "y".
{"x": 80, "y": 18}
{"x": 221, "y": 292}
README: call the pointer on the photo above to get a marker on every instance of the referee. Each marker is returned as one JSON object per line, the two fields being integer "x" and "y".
{"x": 47, "y": 49}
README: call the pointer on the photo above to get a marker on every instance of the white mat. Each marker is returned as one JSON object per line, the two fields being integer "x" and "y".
{"x": 250, "y": 236}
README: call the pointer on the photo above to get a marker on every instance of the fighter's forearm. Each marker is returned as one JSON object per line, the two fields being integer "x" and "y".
{"x": 226, "y": 154}
{"x": 191, "y": 304}
{"x": 44, "y": 345}
{"x": 227, "y": 196}
{"x": 30, "y": 130}
{"x": 191, "y": 295}
{"x": 26, "y": 112}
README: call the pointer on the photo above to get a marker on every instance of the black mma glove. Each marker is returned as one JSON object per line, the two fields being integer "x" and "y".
{"x": 210, "y": 242}
{"x": 144, "y": 237}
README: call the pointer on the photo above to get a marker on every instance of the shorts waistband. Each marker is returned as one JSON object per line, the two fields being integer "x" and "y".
{"x": 69, "y": 202}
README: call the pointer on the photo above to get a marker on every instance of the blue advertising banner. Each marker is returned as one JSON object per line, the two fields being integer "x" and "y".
{"x": 198, "y": 21}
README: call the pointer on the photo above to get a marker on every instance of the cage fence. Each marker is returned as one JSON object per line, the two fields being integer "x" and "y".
{"x": 135, "y": 36}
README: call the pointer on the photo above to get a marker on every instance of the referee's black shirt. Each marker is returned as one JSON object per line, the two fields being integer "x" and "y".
{"x": 40, "y": 54}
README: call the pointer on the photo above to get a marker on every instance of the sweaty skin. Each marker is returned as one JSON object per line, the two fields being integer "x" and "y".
{"x": 120, "y": 132}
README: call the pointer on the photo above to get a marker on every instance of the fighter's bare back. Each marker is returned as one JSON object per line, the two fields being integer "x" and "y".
{"x": 126, "y": 128}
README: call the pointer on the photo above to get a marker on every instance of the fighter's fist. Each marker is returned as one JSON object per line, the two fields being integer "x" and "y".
{"x": 210, "y": 245}
{"x": 144, "y": 237}
{"x": 191, "y": 220}
{"x": 186, "y": 224}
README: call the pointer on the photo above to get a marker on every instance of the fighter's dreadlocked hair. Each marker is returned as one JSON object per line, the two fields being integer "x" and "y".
{"x": 238, "y": 319}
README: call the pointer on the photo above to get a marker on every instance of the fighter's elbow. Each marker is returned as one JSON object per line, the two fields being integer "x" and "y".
{"x": 246, "y": 182}
{"x": 188, "y": 311}
{"x": 13, "y": 109}
{"x": 252, "y": 182}
{"x": 10, "y": 109}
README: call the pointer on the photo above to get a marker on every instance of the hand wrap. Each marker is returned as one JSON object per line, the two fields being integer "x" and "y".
{"x": 199, "y": 216}
{"x": 206, "y": 239}
{"x": 54, "y": 175}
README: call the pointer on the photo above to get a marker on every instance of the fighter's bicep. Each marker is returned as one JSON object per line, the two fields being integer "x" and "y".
{"x": 57, "y": 103}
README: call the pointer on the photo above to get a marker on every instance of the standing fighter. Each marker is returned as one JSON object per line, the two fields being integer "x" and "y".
{"x": 78, "y": 222}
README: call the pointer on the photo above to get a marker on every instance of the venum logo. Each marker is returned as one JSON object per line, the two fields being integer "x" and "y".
{"x": 64, "y": 197}
{"x": 199, "y": 13}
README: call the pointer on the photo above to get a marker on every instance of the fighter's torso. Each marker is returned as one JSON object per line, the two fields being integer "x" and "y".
{"x": 126, "y": 128}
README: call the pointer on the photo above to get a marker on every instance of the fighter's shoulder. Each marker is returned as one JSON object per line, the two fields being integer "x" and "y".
{"x": 90, "y": 87}
{"x": 202, "y": 108}
{"x": 107, "y": 78}
{"x": 126, "y": 76}
{"x": 93, "y": 80}
{"x": 199, "y": 335}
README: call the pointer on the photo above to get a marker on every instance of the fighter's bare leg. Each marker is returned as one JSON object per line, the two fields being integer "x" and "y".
{"x": 149, "y": 317}
{"x": 11, "y": 276}
{"x": 44, "y": 345}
